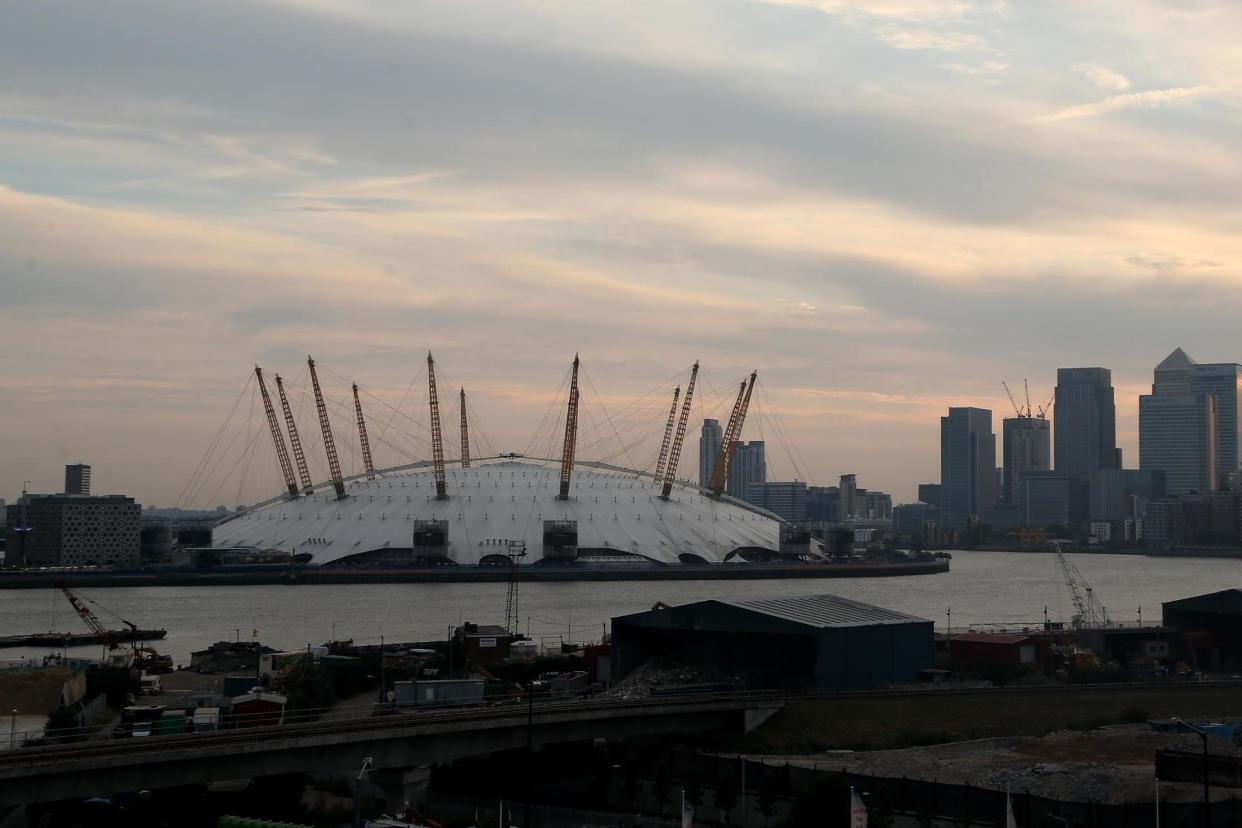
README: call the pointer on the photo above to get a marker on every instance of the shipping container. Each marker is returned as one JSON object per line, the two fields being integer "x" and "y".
{"x": 440, "y": 693}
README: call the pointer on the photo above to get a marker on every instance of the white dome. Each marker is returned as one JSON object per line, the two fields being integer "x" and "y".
{"x": 501, "y": 500}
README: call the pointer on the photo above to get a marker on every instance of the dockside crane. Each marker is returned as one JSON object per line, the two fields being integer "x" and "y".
{"x": 674, "y": 453}
{"x": 92, "y": 620}
{"x": 1089, "y": 612}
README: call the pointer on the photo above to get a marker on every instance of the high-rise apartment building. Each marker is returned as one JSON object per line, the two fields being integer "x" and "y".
{"x": 1026, "y": 443}
{"x": 786, "y": 499}
{"x": 78, "y": 479}
{"x": 967, "y": 465}
{"x": 709, "y": 450}
{"x": 929, "y": 493}
{"x": 748, "y": 465}
{"x": 1085, "y": 416}
{"x": 847, "y": 497}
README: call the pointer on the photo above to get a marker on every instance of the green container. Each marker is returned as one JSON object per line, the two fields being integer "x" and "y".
{"x": 172, "y": 722}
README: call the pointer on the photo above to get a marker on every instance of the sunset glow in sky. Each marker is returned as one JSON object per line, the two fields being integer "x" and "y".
{"x": 884, "y": 206}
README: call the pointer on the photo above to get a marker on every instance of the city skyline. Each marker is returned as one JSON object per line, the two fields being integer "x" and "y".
{"x": 941, "y": 195}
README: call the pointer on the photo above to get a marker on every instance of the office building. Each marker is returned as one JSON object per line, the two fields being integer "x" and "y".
{"x": 709, "y": 450}
{"x": 821, "y": 503}
{"x": 1222, "y": 380}
{"x": 1177, "y": 436}
{"x": 879, "y": 506}
{"x": 747, "y": 466}
{"x": 72, "y": 530}
{"x": 929, "y": 493}
{"x": 1027, "y": 446}
{"x": 967, "y": 465}
{"x": 788, "y": 500}
{"x": 1054, "y": 498}
{"x": 1167, "y": 436}
{"x": 1123, "y": 494}
{"x": 78, "y": 479}
{"x": 1085, "y": 415}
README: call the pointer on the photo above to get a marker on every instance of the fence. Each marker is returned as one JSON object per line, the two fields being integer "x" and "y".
{"x": 486, "y": 813}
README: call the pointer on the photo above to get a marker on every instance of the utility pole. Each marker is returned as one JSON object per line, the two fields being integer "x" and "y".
{"x": 1206, "y": 817}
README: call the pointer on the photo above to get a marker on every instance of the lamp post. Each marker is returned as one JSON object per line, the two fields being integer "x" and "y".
{"x": 530, "y": 746}
{"x": 1206, "y": 819}
{"x": 367, "y": 763}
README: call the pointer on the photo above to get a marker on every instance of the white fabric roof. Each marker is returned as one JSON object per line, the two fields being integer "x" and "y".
{"x": 505, "y": 500}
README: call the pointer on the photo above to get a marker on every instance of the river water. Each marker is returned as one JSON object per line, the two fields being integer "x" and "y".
{"x": 982, "y": 588}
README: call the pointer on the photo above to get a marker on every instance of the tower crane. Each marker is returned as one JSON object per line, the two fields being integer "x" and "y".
{"x": 1023, "y": 413}
{"x": 1089, "y": 611}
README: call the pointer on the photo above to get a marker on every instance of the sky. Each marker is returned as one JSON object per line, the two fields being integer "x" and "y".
{"x": 886, "y": 207}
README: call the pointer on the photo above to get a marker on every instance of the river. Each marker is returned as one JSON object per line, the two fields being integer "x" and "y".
{"x": 982, "y": 588}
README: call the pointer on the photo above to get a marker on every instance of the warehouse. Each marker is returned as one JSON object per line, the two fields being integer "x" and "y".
{"x": 1209, "y": 628}
{"x": 821, "y": 641}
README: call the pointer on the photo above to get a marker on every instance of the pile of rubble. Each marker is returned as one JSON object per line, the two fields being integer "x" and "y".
{"x": 1107, "y": 765}
{"x": 658, "y": 673}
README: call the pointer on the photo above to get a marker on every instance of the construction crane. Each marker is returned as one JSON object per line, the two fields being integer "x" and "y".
{"x": 367, "y": 463}
{"x": 329, "y": 445}
{"x": 437, "y": 439}
{"x": 674, "y": 453}
{"x": 282, "y": 453}
{"x": 1088, "y": 610}
{"x": 668, "y": 436}
{"x": 1047, "y": 406}
{"x": 91, "y": 620}
{"x": 1023, "y": 413}
{"x": 465, "y": 434}
{"x": 571, "y": 434}
{"x": 295, "y": 442}
{"x": 734, "y": 430}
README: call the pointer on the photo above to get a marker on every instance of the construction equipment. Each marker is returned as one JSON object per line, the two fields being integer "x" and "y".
{"x": 571, "y": 434}
{"x": 362, "y": 437}
{"x": 282, "y": 453}
{"x": 668, "y": 436}
{"x": 109, "y": 638}
{"x": 674, "y": 454}
{"x": 465, "y": 434}
{"x": 1047, "y": 406}
{"x": 437, "y": 440}
{"x": 329, "y": 445}
{"x": 295, "y": 442}
{"x": 1023, "y": 413}
{"x": 1089, "y": 612}
{"x": 734, "y": 430}
{"x": 515, "y": 551}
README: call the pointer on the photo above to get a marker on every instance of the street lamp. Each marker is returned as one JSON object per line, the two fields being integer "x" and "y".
{"x": 367, "y": 764}
{"x": 1206, "y": 819}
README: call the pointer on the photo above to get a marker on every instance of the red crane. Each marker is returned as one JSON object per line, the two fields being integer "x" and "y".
{"x": 91, "y": 620}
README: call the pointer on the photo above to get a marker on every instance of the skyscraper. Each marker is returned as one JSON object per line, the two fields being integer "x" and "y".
{"x": 709, "y": 450}
{"x": 967, "y": 465}
{"x": 78, "y": 479}
{"x": 1027, "y": 446}
{"x": 1171, "y": 436}
{"x": 847, "y": 497}
{"x": 748, "y": 465}
{"x": 1177, "y": 435}
{"x": 1086, "y": 420}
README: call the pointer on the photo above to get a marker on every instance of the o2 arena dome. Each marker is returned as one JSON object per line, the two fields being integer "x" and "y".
{"x": 612, "y": 513}
{"x": 506, "y": 508}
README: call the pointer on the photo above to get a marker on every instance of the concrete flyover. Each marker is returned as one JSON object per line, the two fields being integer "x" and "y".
{"x": 398, "y": 744}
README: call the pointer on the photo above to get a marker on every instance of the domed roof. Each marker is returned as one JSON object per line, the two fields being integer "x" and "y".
{"x": 498, "y": 501}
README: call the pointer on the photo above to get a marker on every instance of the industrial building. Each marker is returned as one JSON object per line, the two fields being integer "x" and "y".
{"x": 821, "y": 641}
{"x": 1209, "y": 628}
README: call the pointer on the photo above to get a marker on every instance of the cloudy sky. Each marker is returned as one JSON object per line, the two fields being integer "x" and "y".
{"x": 885, "y": 206}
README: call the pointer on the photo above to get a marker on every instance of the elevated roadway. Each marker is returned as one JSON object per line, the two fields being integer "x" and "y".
{"x": 398, "y": 744}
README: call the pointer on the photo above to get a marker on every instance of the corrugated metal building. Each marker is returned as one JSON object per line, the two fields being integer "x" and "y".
{"x": 1210, "y": 627}
{"x": 821, "y": 641}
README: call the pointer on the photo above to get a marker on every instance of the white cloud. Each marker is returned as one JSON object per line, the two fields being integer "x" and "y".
{"x": 933, "y": 39}
{"x": 1131, "y": 100}
{"x": 1103, "y": 77}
